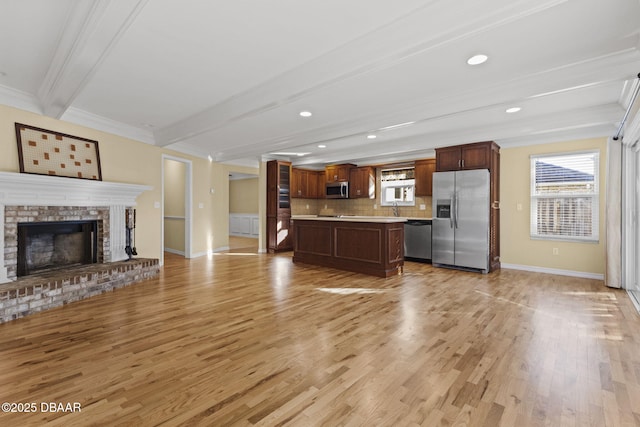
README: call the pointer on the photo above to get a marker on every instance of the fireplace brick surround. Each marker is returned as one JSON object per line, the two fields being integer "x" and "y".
{"x": 16, "y": 214}
{"x": 37, "y": 198}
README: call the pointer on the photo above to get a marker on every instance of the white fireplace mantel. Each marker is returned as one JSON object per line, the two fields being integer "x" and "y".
{"x": 18, "y": 189}
{"x": 27, "y": 189}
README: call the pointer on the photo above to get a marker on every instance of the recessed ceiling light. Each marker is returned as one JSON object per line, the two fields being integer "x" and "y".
{"x": 322, "y": 146}
{"x": 477, "y": 59}
{"x": 513, "y": 109}
{"x": 305, "y": 113}
{"x": 371, "y": 136}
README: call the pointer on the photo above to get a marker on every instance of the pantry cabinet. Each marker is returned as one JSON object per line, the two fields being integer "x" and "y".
{"x": 279, "y": 206}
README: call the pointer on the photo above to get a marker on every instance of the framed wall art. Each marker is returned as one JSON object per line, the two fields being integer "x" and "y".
{"x": 44, "y": 152}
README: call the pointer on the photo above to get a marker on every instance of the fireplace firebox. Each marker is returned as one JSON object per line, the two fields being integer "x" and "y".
{"x": 44, "y": 246}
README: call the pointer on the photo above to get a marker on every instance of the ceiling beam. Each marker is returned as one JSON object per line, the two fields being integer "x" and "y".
{"x": 571, "y": 77}
{"x": 381, "y": 49}
{"x": 89, "y": 34}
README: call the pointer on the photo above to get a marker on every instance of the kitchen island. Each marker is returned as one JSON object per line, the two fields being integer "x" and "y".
{"x": 363, "y": 244}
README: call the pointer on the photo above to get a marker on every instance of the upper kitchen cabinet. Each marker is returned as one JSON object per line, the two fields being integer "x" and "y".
{"x": 336, "y": 173}
{"x": 424, "y": 170}
{"x": 464, "y": 157}
{"x": 305, "y": 183}
{"x": 362, "y": 183}
{"x": 321, "y": 184}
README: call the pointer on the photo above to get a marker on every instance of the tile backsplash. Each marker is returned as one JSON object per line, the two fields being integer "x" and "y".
{"x": 365, "y": 207}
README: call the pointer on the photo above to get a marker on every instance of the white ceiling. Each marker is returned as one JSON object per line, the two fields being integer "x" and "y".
{"x": 229, "y": 78}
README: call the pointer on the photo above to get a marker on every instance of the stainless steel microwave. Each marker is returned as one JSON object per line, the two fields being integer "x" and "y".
{"x": 337, "y": 190}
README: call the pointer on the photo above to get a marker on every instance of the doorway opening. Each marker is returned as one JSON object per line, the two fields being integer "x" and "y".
{"x": 244, "y": 223}
{"x": 176, "y": 206}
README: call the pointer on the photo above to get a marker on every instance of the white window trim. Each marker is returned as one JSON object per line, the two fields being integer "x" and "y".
{"x": 595, "y": 200}
{"x": 395, "y": 184}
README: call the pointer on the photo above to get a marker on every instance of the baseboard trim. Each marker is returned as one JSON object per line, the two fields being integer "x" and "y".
{"x": 174, "y": 251}
{"x": 556, "y": 271}
{"x": 198, "y": 254}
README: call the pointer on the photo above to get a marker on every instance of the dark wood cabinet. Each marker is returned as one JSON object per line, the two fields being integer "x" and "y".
{"x": 480, "y": 155}
{"x": 362, "y": 182}
{"x": 424, "y": 170}
{"x": 320, "y": 185}
{"x": 279, "y": 206}
{"x": 465, "y": 157}
{"x": 340, "y": 172}
{"x": 305, "y": 184}
{"x": 375, "y": 248}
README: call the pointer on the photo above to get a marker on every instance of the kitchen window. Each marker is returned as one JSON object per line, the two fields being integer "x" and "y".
{"x": 397, "y": 186}
{"x": 565, "y": 196}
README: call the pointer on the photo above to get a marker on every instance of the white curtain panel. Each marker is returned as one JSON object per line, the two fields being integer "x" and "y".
{"x": 613, "y": 215}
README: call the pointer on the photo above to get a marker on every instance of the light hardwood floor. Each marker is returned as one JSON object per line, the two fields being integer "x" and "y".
{"x": 242, "y": 338}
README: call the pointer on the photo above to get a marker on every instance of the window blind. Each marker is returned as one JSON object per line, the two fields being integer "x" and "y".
{"x": 564, "y": 196}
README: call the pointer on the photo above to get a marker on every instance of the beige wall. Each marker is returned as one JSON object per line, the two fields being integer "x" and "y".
{"x": 516, "y": 245}
{"x": 130, "y": 161}
{"x": 243, "y": 196}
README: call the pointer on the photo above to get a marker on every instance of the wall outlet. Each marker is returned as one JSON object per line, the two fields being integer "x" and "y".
{"x": 375, "y": 206}
{"x": 307, "y": 206}
{"x": 423, "y": 207}
{"x": 201, "y": 205}
{"x": 156, "y": 205}
{"x": 555, "y": 251}
{"x": 519, "y": 206}
{"x": 325, "y": 206}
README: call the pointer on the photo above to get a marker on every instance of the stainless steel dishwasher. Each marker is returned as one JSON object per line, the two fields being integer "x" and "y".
{"x": 417, "y": 240}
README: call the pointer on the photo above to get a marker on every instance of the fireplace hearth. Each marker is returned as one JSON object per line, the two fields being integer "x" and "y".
{"x": 44, "y": 246}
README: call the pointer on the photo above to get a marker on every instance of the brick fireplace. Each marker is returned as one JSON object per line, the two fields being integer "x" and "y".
{"x": 71, "y": 213}
{"x": 26, "y": 198}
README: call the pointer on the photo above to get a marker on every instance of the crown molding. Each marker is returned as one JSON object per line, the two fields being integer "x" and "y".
{"x": 19, "y": 99}
{"x": 84, "y": 118}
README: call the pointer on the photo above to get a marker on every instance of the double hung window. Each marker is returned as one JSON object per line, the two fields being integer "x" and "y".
{"x": 565, "y": 196}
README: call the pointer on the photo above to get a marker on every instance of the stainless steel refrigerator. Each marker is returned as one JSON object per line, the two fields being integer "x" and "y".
{"x": 460, "y": 227}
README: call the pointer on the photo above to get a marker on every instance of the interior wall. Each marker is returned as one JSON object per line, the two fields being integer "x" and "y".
{"x": 243, "y": 196}
{"x": 126, "y": 160}
{"x": 516, "y": 245}
{"x": 174, "y": 206}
